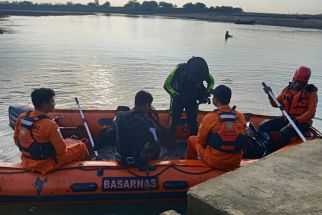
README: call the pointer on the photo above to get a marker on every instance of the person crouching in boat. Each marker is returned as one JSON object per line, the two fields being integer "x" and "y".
{"x": 299, "y": 100}
{"x": 136, "y": 137}
{"x": 220, "y": 135}
{"x": 39, "y": 139}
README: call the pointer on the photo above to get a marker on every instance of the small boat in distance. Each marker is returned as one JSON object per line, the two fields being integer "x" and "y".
{"x": 245, "y": 22}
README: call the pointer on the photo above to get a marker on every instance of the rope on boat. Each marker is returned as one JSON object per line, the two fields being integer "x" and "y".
{"x": 197, "y": 173}
{"x": 119, "y": 168}
{"x": 11, "y": 173}
{"x": 156, "y": 175}
{"x": 179, "y": 170}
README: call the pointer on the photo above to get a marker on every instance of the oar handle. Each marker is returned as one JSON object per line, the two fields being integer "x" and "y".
{"x": 271, "y": 94}
{"x": 86, "y": 127}
{"x": 80, "y": 109}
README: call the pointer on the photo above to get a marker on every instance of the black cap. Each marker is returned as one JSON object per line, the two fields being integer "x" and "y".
{"x": 222, "y": 93}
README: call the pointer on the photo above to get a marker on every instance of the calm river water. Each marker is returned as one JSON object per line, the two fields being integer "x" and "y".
{"x": 105, "y": 60}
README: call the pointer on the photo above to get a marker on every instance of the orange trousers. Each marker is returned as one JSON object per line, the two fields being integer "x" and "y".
{"x": 193, "y": 148}
{"x": 76, "y": 150}
{"x": 212, "y": 157}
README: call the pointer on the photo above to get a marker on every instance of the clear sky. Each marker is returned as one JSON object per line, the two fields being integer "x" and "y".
{"x": 274, "y": 6}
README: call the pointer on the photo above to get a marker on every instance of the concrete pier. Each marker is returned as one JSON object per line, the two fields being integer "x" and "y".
{"x": 289, "y": 182}
{"x": 170, "y": 212}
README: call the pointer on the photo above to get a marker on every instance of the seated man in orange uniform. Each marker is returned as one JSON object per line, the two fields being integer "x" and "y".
{"x": 299, "y": 100}
{"x": 39, "y": 140}
{"x": 220, "y": 135}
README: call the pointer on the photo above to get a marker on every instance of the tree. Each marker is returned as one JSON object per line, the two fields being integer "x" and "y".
{"x": 199, "y": 7}
{"x": 166, "y": 6}
{"x": 91, "y": 4}
{"x": 226, "y": 9}
{"x": 188, "y": 6}
{"x": 26, "y": 3}
{"x": 97, "y": 3}
{"x": 132, "y": 4}
{"x": 149, "y": 5}
{"x": 106, "y": 4}
{"x": 211, "y": 9}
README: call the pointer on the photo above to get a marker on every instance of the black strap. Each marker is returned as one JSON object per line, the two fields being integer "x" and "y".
{"x": 40, "y": 145}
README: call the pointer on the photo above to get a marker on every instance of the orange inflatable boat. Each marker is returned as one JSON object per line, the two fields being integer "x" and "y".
{"x": 106, "y": 180}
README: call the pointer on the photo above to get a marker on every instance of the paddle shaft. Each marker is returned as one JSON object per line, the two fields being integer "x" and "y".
{"x": 271, "y": 94}
{"x": 86, "y": 127}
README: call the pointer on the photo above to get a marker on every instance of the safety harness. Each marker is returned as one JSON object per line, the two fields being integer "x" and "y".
{"x": 27, "y": 144}
{"x": 228, "y": 139}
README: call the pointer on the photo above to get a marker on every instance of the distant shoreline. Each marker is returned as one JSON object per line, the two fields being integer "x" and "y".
{"x": 8, "y": 12}
{"x": 283, "y": 20}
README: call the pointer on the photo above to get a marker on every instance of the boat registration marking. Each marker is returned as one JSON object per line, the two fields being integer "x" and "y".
{"x": 129, "y": 183}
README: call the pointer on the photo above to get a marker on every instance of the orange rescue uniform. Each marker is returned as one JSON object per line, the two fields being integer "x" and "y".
{"x": 46, "y": 130}
{"x": 197, "y": 145}
{"x": 300, "y": 105}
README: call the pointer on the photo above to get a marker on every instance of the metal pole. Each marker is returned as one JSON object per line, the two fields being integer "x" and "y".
{"x": 86, "y": 127}
{"x": 271, "y": 94}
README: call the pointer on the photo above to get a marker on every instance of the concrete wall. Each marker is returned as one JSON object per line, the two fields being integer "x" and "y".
{"x": 289, "y": 182}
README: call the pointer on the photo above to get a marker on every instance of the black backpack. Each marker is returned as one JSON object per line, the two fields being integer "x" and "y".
{"x": 135, "y": 143}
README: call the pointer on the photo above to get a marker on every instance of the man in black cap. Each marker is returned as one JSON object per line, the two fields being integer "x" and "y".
{"x": 186, "y": 89}
{"x": 220, "y": 135}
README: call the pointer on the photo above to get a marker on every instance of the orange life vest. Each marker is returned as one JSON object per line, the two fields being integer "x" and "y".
{"x": 228, "y": 139}
{"x": 295, "y": 105}
{"x": 28, "y": 146}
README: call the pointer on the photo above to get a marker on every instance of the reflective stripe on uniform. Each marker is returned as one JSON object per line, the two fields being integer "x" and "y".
{"x": 26, "y": 122}
{"x": 227, "y": 116}
{"x": 153, "y": 131}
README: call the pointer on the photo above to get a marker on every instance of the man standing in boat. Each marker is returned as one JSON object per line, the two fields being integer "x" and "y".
{"x": 299, "y": 100}
{"x": 186, "y": 89}
{"x": 136, "y": 135}
{"x": 39, "y": 139}
{"x": 221, "y": 133}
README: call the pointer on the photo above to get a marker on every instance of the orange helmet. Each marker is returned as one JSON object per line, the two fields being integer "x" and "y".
{"x": 302, "y": 74}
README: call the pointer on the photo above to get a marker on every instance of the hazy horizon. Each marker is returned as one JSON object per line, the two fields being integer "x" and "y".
{"x": 263, "y": 6}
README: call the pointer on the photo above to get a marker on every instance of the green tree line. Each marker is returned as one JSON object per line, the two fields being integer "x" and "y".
{"x": 131, "y": 6}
